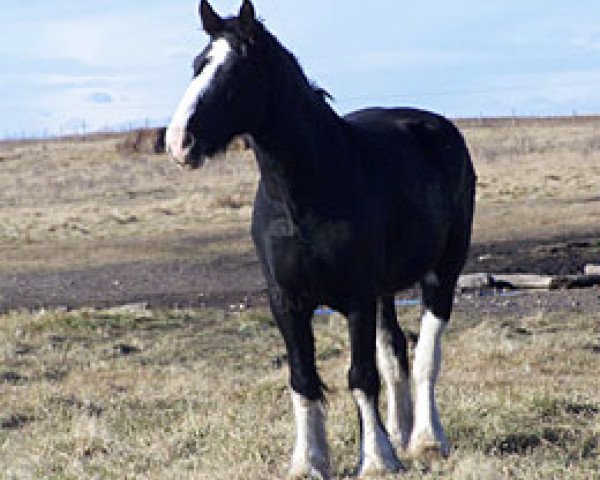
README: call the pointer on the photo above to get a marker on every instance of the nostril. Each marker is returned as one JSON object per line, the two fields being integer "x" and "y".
{"x": 186, "y": 140}
{"x": 179, "y": 142}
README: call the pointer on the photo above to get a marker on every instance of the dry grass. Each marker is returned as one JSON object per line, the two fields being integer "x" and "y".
{"x": 80, "y": 203}
{"x": 202, "y": 394}
{"x": 536, "y": 176}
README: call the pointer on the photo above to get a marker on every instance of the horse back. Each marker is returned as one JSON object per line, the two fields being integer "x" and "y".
{"x": 429, "y": 138}
{"x": 427, "y": 177}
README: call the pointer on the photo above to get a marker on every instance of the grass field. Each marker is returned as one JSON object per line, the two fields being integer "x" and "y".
{"x": 202, "y": 394}
{"x": 80, "y": 202}
{"x": 537, "y": 177}
{"x": 162, "y": 394}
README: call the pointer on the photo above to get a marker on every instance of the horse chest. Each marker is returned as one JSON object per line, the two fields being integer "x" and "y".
{"x": 318, "y": 259}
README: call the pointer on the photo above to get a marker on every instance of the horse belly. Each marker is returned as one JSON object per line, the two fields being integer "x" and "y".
{"x": 413, "y": 248}
{"x": 402, "y": 273}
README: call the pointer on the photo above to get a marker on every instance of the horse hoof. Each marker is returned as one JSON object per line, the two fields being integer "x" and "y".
{"x": 377, "y": 472}
{"x": 307, "y": 476}
{"x": 379, "y": 468}
{"x": 428, "y": 448}
{"x": 308, "y": 473}
{"x": 399, "y": 442}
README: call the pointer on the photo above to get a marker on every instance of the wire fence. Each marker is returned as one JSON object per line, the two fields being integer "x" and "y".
{"x": 80, "y": 128}
{"x": 78, "y": 125}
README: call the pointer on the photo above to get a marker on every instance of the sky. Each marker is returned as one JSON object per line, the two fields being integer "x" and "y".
{"x": 71, "y": 66}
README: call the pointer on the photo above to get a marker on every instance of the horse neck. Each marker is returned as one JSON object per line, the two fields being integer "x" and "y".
{"x": 301, "y": 142}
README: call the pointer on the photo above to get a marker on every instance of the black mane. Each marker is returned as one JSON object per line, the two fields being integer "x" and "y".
{"x": 286, "y": 61}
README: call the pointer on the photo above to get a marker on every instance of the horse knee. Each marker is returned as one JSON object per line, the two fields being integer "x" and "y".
{"x": 310, "y": 388}
{"x": 364, "y": 378}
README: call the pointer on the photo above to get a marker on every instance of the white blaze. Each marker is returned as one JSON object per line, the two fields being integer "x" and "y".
{"x": 175, "y": 135}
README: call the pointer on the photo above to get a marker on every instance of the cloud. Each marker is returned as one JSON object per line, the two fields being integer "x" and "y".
{"x": 122, "y": 38}
{"x": 100, "y": 97}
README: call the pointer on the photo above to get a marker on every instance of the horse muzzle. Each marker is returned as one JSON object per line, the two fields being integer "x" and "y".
{"x": 179, "y": 144}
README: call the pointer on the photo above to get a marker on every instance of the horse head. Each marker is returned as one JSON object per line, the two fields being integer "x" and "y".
{"x": 228, "y": 93}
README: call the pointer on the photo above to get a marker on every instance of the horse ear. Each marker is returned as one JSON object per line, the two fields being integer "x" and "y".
{"x": 248, "y": 19}
{"x": 212, "y": 23}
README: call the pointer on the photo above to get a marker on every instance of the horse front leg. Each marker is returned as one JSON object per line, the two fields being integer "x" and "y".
{"x": 311, "y": 453}
{"x": 377, "y": 454}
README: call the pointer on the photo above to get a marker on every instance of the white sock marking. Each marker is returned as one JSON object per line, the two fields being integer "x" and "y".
{"x": 397, "y": 385}
{"x": 378, "y": 453}
{"x": 427, "y": 429}
{"x": 311, "y": 453}
{"x": 175, "y": 135}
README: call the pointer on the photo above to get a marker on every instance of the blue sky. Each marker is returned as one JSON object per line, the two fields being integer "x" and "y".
{"x": 67, "y": 64}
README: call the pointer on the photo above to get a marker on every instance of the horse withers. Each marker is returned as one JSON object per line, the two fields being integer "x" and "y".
{"x": 349, "y": 210}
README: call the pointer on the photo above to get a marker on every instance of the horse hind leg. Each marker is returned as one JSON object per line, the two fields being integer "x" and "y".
{"x": 428, "y": 437}
{"x": 392, "y": 361}
{"x": 377, "y": 454}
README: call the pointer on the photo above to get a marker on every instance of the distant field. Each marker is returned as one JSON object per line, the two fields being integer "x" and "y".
{"x": 537, "y": 177}
{"x": 80, "y": 202}
{"x": 202, "y": 393}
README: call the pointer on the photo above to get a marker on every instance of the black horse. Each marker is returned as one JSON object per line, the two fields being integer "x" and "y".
{"x": 349, "y": 210}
